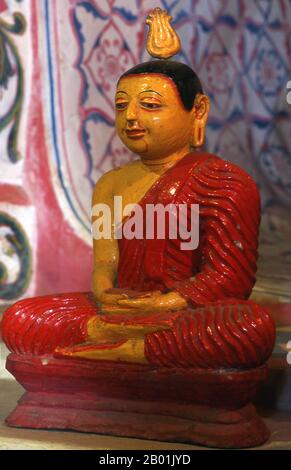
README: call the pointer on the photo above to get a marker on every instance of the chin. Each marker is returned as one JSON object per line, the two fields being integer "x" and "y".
{"x": 138, "y": 147}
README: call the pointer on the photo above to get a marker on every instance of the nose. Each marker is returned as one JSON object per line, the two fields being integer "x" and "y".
{"x": 131, "y": 113}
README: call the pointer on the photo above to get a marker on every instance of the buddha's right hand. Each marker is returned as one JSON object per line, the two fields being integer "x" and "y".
{"x": 111, "y": 297}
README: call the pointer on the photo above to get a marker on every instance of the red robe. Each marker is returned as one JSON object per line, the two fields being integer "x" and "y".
{"x": 223, "y": 330}
{"x": 224, "y": 265}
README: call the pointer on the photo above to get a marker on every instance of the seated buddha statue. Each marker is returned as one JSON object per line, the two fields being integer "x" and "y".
{"x": 153, "y": 301}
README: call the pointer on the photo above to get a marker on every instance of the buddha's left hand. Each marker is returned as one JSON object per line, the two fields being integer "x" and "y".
{"x": 155, "y": 302}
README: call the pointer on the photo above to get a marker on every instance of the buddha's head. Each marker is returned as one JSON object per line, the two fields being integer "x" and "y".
{"x": 160, "y": 105}
{"x": 160, "y": 109}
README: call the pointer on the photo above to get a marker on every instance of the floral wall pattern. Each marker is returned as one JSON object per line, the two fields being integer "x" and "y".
{"x": 240, "y": 50}
{"x": 17, "y": 221}
{"x": 243, "y": 57}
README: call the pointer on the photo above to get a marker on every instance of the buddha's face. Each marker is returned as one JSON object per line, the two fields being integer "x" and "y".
{"x": 150, "y": 117}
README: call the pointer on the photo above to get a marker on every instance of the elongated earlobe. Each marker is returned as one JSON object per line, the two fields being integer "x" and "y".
{"x": 201, "y": 111}
{"x": 198, "y": 135}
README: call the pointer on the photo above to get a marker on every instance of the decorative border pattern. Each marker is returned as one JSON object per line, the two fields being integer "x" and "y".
{"x": 10, "y": 66}
{"x": 14, "y": 244}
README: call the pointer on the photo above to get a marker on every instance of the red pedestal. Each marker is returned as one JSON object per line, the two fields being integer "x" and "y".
{"x": 212, "y": 408}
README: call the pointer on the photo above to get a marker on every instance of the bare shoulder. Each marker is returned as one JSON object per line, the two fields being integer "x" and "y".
{"x": 116, "y": 173}
{"x": 107, "y": 183}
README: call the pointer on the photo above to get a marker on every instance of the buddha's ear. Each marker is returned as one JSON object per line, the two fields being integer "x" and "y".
{"x": 200, "y": 111}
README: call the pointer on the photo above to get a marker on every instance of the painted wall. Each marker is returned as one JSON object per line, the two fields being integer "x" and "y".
{"x": 61, "y": 60}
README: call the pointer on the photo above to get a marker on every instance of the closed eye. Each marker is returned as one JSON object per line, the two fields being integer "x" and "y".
{"x": 121, "y": 105}
{"x": 149, "y": 105}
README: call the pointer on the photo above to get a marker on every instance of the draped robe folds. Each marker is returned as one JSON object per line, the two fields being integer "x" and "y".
{"x": 220, "y": 328}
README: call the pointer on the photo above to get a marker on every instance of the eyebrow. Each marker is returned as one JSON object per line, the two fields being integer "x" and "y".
{"x": 153, "y": 91}
{"x": 120, "y": 91}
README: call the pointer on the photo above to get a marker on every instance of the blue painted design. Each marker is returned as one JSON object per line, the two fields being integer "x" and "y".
{"x": 96, "y": 118}
{"x": 261, "y": 123}
{"x": 257, "y": 51}
{"x": 253, "y": 27}
{"x": 18, "y": 244}
{"x": 92, "y": 10}
{"x": 10, "y": 66}
{"x": 277, "y": 71}
{"x": 205, "y": 25}
{"x": 247, "y": 35}
{"x": 81, "y": 37}
{"x": 53, "y": 117}
{"x": 126, "y": 14}
{"x": 180, "y": 18}
{"x": 272, "y": 157}
{"x": 265, "y": 7}
{"x": 228, "y": 20}
{"x": 169, "y": 6}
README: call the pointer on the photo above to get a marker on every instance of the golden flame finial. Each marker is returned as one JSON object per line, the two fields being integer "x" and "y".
{"x": 163, "y": 41}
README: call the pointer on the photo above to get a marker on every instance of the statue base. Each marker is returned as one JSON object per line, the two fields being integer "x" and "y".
{"x": 206, "y": 407}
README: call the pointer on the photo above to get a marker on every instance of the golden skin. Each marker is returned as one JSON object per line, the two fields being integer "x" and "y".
{"x": 151, "y": 103}
{"x": 153, "y": 123}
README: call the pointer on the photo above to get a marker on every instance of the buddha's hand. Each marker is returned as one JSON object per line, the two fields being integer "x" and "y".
{"x": 149, "y": 302}
{"x": 112, "y": 296}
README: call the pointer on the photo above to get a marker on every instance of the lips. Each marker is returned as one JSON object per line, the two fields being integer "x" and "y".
{"x": 135, "y": 133}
